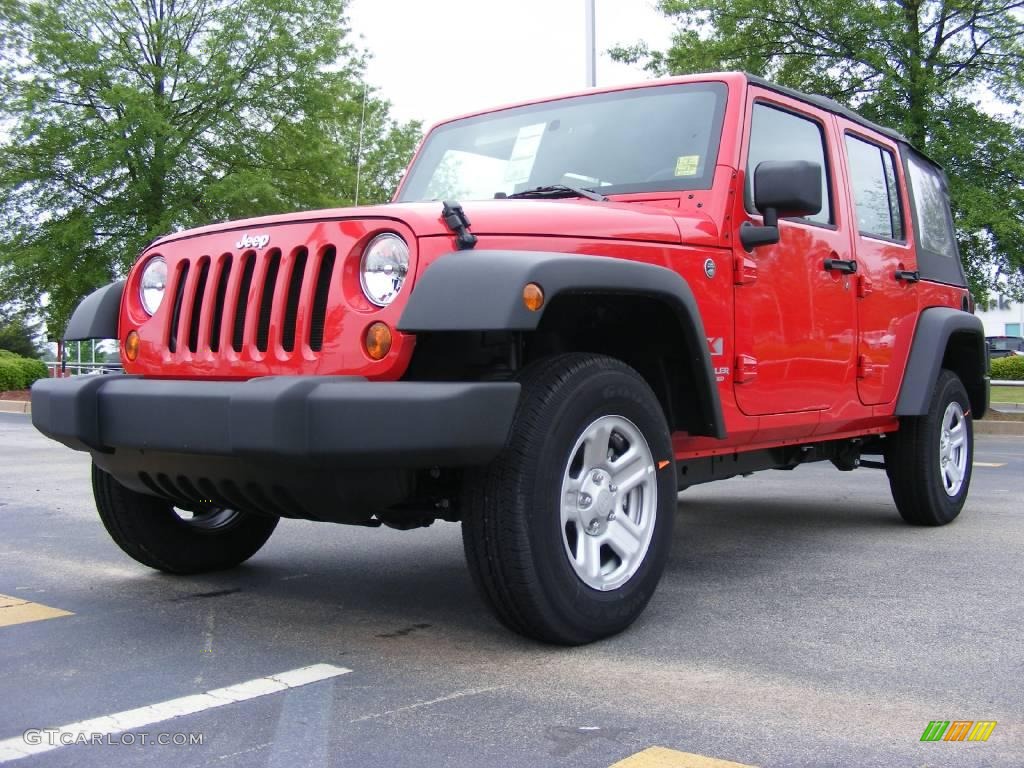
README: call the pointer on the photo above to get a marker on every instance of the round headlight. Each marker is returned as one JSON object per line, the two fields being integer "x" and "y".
{"x": 153, "y": 284}
{"x": 383, "y": 268}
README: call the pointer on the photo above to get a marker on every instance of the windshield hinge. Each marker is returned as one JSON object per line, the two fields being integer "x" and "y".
{"x": 455, "y": 219}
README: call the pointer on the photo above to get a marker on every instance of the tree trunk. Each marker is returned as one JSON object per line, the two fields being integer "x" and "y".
{"x": 916, "y": 76}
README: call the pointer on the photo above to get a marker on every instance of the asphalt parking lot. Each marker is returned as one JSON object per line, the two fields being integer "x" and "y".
{"x": 800, "y": 623}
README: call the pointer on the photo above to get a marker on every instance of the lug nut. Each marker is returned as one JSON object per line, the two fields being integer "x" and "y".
{"x": 585, "y": 500}
{"x": 613, "y": 488}
{"x": 596, "y": 477}
{"x": 594, "y": 525}
{"x": 611, "y": 516}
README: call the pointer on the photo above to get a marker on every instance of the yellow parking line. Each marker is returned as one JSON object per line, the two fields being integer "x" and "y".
{"x": 15, "y": 610}
{"x": 990, "y": 464}
{"x": 660, "y": 757}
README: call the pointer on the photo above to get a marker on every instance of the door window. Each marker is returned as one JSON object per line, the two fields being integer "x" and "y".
{"x": 875, "y": 193}
{"x": 779, "y": 135}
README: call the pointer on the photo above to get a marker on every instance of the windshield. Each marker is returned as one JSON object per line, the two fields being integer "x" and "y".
{"x": 645, "y": 139}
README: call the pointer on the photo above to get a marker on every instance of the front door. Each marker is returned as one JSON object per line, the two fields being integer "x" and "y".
{"x": 795, "y": 316}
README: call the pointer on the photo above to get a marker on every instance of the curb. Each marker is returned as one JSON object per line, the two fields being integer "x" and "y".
{"x": 15, "y": 406}
{"x": 996, "y": 427}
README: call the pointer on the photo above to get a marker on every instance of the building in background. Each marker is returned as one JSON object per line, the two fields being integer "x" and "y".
{"x": 1002, "y": 316}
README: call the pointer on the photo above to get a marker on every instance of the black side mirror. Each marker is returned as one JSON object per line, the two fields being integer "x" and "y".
{"x": 781, "y": 189}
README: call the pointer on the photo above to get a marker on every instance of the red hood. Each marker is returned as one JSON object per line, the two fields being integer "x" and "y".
{"x": 568, "y": 218}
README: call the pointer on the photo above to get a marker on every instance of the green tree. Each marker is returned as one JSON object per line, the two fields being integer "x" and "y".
{"x": 948, "y": 74}
{"x": 126, "y": 119}
{"x": 18, "y": 333}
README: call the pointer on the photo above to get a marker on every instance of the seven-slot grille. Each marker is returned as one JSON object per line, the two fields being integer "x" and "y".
{"x": 250, "y": 302}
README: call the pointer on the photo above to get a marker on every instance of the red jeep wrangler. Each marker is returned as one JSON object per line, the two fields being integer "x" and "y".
{"x": 648, "y": 288}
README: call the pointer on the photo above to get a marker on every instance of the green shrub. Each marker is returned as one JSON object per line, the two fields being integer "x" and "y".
{"x": 10, "y": 375}
{"x": 33, "y": 370}
{"x": 1008, "y": 368}
{"x": 19, "y": 372}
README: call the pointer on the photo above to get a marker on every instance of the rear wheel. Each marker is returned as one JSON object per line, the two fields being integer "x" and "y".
{"x": 156, "y": 533}
{"x": 929, "y": 460}
{"x": 567, "y": 532}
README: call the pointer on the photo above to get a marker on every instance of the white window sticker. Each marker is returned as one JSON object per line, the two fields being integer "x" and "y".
{"x": 524, "y": 153}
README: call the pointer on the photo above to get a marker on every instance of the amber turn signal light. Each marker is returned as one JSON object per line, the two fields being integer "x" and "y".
{"x": 131, "y": 345}
{"x": 533, "y": 297}
{"x": 378, "y": 341}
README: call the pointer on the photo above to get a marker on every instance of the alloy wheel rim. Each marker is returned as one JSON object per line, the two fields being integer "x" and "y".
{"x": 207, "y": 518}
{"x": 953, "y": 450}
{"x": 609, "y": 502}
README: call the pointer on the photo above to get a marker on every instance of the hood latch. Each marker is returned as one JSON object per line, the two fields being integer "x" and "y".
{"x": 455, "y": 219}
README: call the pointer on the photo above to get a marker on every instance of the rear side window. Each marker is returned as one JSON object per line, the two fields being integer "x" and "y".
{"x": 938, "y": 258}
{"x": 875, "y": 193}
{"x": 931, "y": 209}
{"x": 779, "y": 135}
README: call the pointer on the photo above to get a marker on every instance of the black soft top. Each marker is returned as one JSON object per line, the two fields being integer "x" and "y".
{"x": 832, "y": 105}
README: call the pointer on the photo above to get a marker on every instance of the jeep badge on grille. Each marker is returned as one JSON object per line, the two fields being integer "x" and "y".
{"x": 253, "y": 241}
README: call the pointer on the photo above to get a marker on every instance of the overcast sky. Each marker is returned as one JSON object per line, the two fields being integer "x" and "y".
{"x": 440, "y": 58}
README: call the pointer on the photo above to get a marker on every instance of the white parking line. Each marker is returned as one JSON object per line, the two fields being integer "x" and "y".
{"x": 134, "y": 719}
{"x": 418, "y": 704}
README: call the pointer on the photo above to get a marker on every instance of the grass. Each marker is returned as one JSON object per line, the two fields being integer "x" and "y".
{"x": 1008, "y": 395}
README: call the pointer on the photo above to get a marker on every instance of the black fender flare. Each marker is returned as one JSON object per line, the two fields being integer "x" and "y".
{"x": 931, "y": 350}
{"x": 482, "y": 290}
{"x": 97, "y": 315}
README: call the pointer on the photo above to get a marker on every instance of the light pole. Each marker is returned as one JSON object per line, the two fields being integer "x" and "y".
{"x": 590, "y": 44}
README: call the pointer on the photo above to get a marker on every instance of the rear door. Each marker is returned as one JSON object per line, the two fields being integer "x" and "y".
{"x": 795, "y": 319}
{"x": 887, "y": 266}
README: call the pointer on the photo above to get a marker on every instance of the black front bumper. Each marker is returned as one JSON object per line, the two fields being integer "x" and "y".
{"x": 327, "y": 420}
{"x": 323, "y": 448}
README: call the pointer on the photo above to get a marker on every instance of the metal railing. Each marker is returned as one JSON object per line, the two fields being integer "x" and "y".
{"x": 60, "y": 371}
{"x": 81, "y": 369}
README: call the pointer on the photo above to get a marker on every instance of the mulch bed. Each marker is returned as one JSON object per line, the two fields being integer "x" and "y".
{"x": 21, "y": 395}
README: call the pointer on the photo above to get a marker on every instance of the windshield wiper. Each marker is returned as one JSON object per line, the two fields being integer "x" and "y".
{"x": 558, "y": 190}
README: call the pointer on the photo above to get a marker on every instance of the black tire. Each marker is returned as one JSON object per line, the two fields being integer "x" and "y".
{"x": 512, "y": 531}
{"x": 148, "y": 530}
{"x": 913, "y": 458}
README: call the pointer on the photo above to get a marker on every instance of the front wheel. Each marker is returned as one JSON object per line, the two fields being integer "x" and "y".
{"x": 157, "y": 534}
{"x": 567, "y": 532}
{"x": 929, "y": 460}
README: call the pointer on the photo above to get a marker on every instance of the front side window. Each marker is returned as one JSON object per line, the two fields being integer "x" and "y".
{"x": 645, "y": 139}
{"x": 875, "y": 194}
{"x": 779, "y": 135}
